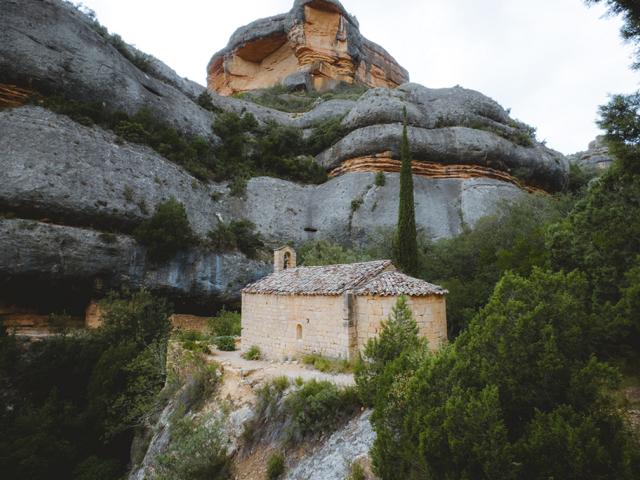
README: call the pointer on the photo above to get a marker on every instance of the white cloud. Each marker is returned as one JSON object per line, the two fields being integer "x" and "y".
{"x": 552, "y": 61}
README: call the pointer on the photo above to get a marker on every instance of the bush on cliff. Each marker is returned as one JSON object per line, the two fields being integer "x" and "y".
{"x": 166, "y": 232}
{"x": 237, "y": 235}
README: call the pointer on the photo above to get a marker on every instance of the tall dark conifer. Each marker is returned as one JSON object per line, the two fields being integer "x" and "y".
{"x": 406, "y": 244}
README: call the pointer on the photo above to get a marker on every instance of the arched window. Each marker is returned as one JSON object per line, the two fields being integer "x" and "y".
{"x": 287, "y": 260}
{"x": 299, "y": 332}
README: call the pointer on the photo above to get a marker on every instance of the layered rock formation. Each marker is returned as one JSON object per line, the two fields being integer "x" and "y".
{"x": 70, "y": 186}
{"x": 316, "y": 45}
{"x": 596, "y": 157}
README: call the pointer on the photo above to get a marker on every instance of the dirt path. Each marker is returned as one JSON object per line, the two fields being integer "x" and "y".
{"x": 255, "y": 371}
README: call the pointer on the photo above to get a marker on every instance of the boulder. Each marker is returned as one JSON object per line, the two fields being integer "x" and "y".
{"x": 53, "y": 48}
{"x": 317, "y": 39}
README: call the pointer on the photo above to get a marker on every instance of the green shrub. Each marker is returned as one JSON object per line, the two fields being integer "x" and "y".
{"x": 275, "y": 466}
{"x": 356, "y": 472}
{"x": 253, "y": 353}
{"x": 166, "y": 232}
{"x": 194, "y": 341}
{"x": 323, "y": 252}
{"x": 398, "y": 334}
{"x": 236, "y": 235}
{"x": 324, "y": 135}
{"x": 225, "y": 324}
{"x": 226, "y": 344}
{"x": 204, "y": 100}
{"x": 356, "y": 204}
{"x": 319, "y": 407}
{"x": 380, "y": 180}
{"x": 327, "y": 365}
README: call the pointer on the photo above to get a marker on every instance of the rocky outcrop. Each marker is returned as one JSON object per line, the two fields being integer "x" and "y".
{"x": 315, "y": 46}
{"x": 332, "y": 459}
{"x": 47, "y": 255}
{"x": 58, "y": 169}
{"x": 452, "y": 126}
{"x": 51, "y": 47}
{"x": 596, "y": 157}
{"x": 84, "y": 176}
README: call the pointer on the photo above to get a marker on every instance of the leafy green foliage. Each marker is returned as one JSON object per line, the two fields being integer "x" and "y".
{"x": 226, "y": 343}
{"x": 381, "y": 180}
{"x": 193, "y": 341}
{"x": 518, "y": 395}
{"x": 76, "y": 398}
{"x": 275, "y": 466}
{"x": 225, "y": 324}
{"x": 398, "y": 334}
{"x": 253, "y": 353}
{"x": 323, "y": 252}
{"x": 406, "y": 246}
{"x": 236, "y": 235}
{"x": 167, "y": 231}
{"x": 469, "y": 265}
{"x": 356, "y": 472}
{"x": 327, "y": 365}
{"x": 621, "y": 119}
{"x": 324, "y": 135}
{"x": 199, "y": 450}
{"x": 601, "y": 237}
{"x": 249, "y": 150}
{"x": 319, "y": 407}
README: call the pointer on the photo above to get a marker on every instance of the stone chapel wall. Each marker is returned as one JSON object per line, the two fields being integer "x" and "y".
{"x": 272, "y": 322}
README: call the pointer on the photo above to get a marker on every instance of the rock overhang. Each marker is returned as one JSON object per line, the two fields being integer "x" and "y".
{"x": 317, "y": 37}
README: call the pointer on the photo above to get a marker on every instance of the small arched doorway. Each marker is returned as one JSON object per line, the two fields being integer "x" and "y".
{"x": 298, "y": 332}
{"x": 287, "y": 260}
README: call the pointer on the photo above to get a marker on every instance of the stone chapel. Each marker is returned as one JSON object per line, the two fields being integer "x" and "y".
{"x": 333, "y": 310}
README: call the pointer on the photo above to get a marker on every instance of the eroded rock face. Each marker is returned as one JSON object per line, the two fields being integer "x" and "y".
{"x": 46, "y": 254}
{"x": 57, "y": 169}
{"x": 450, "y": 127}
{"x": 316, "y": 45}
{"x": 50, "y": 47}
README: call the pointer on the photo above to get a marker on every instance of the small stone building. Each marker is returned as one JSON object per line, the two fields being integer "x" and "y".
{"x": 333, "y": 310}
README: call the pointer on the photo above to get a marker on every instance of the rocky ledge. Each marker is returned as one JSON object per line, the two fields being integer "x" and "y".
{"x": 314, "y": 46}
{"x": 45, "y": 257}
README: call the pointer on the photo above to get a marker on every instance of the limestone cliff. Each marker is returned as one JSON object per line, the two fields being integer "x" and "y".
{"x": 316, "y": 45}
{"x": 73, "y": 192}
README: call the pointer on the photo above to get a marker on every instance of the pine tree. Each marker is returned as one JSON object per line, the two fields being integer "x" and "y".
{"x": 406, "y": 244}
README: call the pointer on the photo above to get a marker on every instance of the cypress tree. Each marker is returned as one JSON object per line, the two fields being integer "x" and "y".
{"x": 406, "y": 244}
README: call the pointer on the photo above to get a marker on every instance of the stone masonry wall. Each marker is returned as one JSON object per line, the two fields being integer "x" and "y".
{"x": 270, "y": 322}
{"x": 429, "y": 312}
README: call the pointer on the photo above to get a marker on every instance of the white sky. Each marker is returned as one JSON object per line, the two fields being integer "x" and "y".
{"x": 553, "y": 62}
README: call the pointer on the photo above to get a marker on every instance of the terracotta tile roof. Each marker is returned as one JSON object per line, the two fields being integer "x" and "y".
{"x": 366, "y": 278}
{"x": 396, "y": 283}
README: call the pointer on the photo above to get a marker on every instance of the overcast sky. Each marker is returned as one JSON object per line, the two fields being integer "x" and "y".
{"x": 551, "y": 61}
